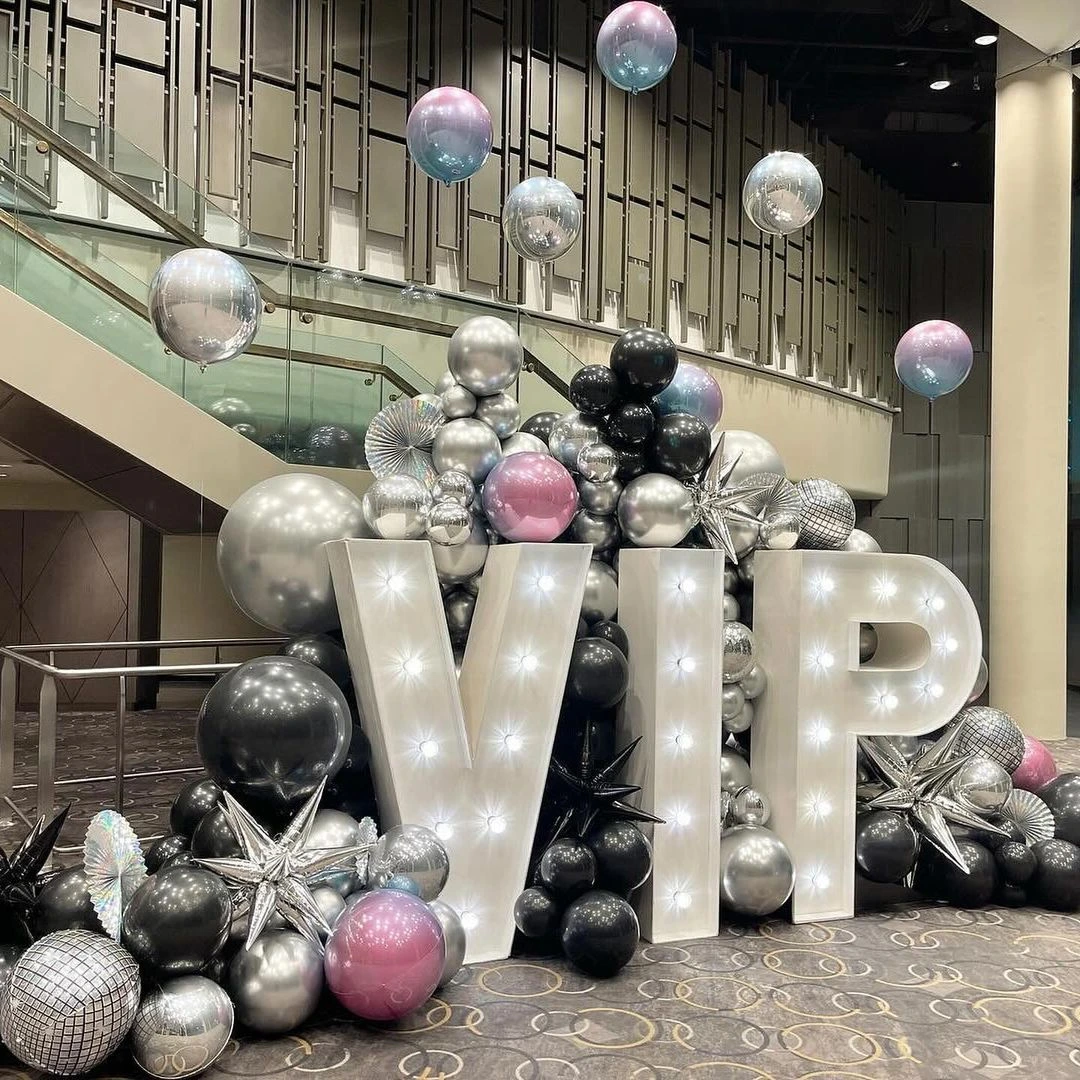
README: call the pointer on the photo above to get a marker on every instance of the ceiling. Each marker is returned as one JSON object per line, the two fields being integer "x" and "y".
{"x": 1050, "y": 25}
{"x": 17, "y": 468}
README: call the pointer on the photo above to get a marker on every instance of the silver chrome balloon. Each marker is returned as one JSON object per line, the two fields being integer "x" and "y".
{"x": 270, "y": 550}
{"x": 597, "y": 462}
{"x": 738, "y": 651}
{"x": 746, "y": 568}
{"x": 456, "y": 563}
{"x": 751, "y": 807}
{"x": 868, "y": 642}
{"x": 656, "y": 510}
{"x": 459, "y": 607}
{"x": 982, "y": 784}
{"x": 455, "y": 486}
{"x": 500, "y": 412}
{"x": 861, "y": 541}
{"x": 541, "y": 218}
{"x": 411, "y": 851}
{"x": 181, "y": 1027}
{"x": 753, "y": 682}
{"x": 600, "y": 497}
{"x": 731, "y": 608}
{"x": 444, "y": 382}
{"x": 277, "y": 983}
{"x": 456, "y": 402}
{"x": 751, "y": 453}
{"x": 780, "y": 530}
{"x": 601, "y": 597}
{"x": 485, "y": 355}
{"x": 232, "y": 411}
{"x": 782, "y": 192}
{"x": 400, "y": 437}
{"x": 756, "y": 871}
{"x": 521, "y": 442}
{"x": 600, "y": 530}
{"x": 331, "y": 904}
{"x": 744, "y": 535}
{"x": 334, "y": 829}
{"x": 731, "y": 701}
{"x": 982, "y": 680}
{"x": 396, "y": 507}
{"x": 204, "y": 305}
{"x": 449, "y": 523}
{"x": 468, "y": 445}
{"x": 828, "y": 514}
{"x": 734, "y": 771}
{"x": 453, "y": 936}
{"x": 741, "y": 721}
{"x": 571, "y": 433}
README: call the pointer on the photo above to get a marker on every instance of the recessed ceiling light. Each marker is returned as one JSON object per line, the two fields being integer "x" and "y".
{"x": 939, "y": 78}
{"x": 954, "y": 164}
{"x": 986, "y": 39}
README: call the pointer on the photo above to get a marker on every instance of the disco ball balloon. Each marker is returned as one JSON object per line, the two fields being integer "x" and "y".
{"x": 782, "y": 193}
{"x": 693, "y": 390}
{"x": 541, "y": 218}
{"x": 991, "y": 733}
{"x": 270, "y": 550}
{"x": 181, "y": 1027}
{"x": 828, "y": 514}
{"x": 933, "y": 358}
{"x": 449, "y": 134}
{"x": 636, "y": 46}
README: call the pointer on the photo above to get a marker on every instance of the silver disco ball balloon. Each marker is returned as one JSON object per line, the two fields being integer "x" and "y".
{"x": 396, "y": 507}
{"x": 70, "y": 1001}
{"x": 485, "y": 355}
{"x": 991, "y": 733}
{"x": 181, "y": 1027}
{"x": 468, "y": 446}
{"x": 828, "y": 514}
{"x": 270, "y": 550}
{"x": 738, "y": 651}
{"x": 756, "y": 871}
{"x": 541, "y": 218}
{"x": 204, "y": 305}
{"x": 782, "y": 193}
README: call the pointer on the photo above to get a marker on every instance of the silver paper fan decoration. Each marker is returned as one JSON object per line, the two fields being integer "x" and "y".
{"x": 114, "y": 866}
{"x": 1030, "y": 815}
{"x": 369, "y": 836}
{"x": 991, "y": 733}
{"x": 779, "y": 494}
{"x": 399, "y": 439}
{"x": 828, "y": 514}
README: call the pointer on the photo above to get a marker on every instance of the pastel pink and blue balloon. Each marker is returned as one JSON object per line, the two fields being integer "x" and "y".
{"x": 693, "y": 390}
{"x": 530, "y": 497}
{"x": 636, "y": 46}
{"x": 933, "y": 358}
{"x": 449, "y": 134}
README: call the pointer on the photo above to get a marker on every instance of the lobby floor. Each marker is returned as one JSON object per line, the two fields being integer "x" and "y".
{"x": 911, "y": 990}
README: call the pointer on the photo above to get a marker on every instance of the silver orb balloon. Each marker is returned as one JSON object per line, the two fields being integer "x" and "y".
{"x": 449, "y": 523}
{"x": 731, "y": 608}
{"x": 751, "y": 807}
{"x": 270, "y": 550}
{"x": 751, "y": 453}
{"x": 756, "y": 871}
{"x": 780, "y": 530}
{"x": 181, "y": 1027}
{"x": 746, "y": 568}
{"x": 456, "y": 563}
{"x": 500, "y": 412}
{"x": 868, "y": 643}
{"x": 276, "y": 984}
{"x": 331, "y": 903}
{"x": 454, "y": 485}
{"x": 541, "y": 218}
{"x": 982, "y": 680}
{"x": 600, "y": 497}
{"x": 991, "y": 733}
{"x": 396, "y": 507}
{"x": 521, "y": 442}
{"x": 656, "y": 510}
{"x": 485, "y": 355}
{"x": 738, "y": 651}
{"x": 983, "y": 785}
{"x": 742, "y": 720}
{"x": 457, "y": 402}
{"x": 731, "y": 578}
{"x": 411, "y": 851}
{"x": 334, "y": 829}
{"x": 908, "y": 745}
{"x": 744, "y": 534}
{"x": 204, "y": 305}
{"x": 600, "y": 530}
{"x": 69, "y": 1002}
{"x": 727, "y": 810}
{"x": 570, "y": 435}
{"x": 597, "y": 462}
{"x": 601, "y": 599}
{"x": 731, "y": 701}
{"x": 734, "y": 771}
{"x": 782, "y": 192}
{"x": 828, "y": 514}
{"x": 861, "y": 541}
{"x": 453, "y": 936}
{"x": 444, "y": 382}
{"x": 466, "y": 445}
{"x": 753, "y": 682}
{"x": 232, "y": 411}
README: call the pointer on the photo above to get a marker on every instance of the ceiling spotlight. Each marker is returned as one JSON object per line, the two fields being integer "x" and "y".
{"x": 986, "y": 39}
{"x": 939, "y": 78}
{"x": 954, "y": 164}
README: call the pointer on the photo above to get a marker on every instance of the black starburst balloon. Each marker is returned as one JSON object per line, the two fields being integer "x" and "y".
{"x": 19, "y": 871}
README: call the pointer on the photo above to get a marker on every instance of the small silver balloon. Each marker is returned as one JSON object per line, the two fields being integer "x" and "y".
{"x": 521, "y": 442}
{"x": 453, "y": 936}
{"x": 738, "y": 651}
{"x": 982, "y": 680}
{"x": 570, "y": 434}
{"x": 500, "y": 412}
{"x": 861, "y": 541}
{"x": 828, "y": 514}
{"x": 983, "y": 785}
{"x": 454, "y": 485}
{"x": 444, "y": 382}
{"x": 459, "y": 607}
{"x": 411, "y": 851}
{"x": 601, "y": 598}
{"x": 727, "y": 810}
{"x": 731, "y": 608}
{"x": 746, "y": 568}
{"x": 742, "y": 720}
{"x": 780, "y": 530}
{"x": 600, "y": 497}
{"x": 457, "y": 402}
{"x": 744, "y": 534}
{"x": 456, "y": 563}
{"x": 331, "y": 904}
{"x": 335, "y": 829}
{"x": 753, "y": 682}
{"x": 181, "y": 1028}
{"x": 751, "y": 453}
{"x": 485, "y": 355}
{"x": 907, "y": 745}
{"x": 731, "y": 701}
{"x": 249, "y": 431}
{"x": 396, "y": 507}
{"x": 734, "y": 771}
{"x": 204, "y": 305}
{"x": 449, "y": 523}
{"x": 232, "y": 411}
{"x": 656, "y": 510}
{"x": 868, "y": 643}
{"x": 731, "y": 578}
{"x": 597, "y": 462}
{"x": 782, "y": 192}
{"x": 756, "y": 871}
{"x": 277, "y": 983}
{"x": 466, "y": 445}
{"x": 541, "y": 218}
{"x": 751, "y": 807}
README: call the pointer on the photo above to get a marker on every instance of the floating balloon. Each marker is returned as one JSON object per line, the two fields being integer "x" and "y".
{"x": 636, "y": 46}
{"x": 933, "y": 358}
{"x": 541, "y": 218}
{"x": 782, "y": 193}
{"x": 449, "y": 134}
{"x": 692, "y": 390}
{"x": 530, "y": 497}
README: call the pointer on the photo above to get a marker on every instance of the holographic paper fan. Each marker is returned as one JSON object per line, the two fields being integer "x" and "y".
{"x": 779, "y": 494}
{"x": 399, "y": 439}
{"x": 114, "y": 866}
{"x": 369, "y": 836}
{"x": 1030, "y": 815}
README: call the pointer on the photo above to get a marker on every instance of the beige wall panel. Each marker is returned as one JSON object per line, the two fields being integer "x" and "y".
{"x": 388, "y": 113}
{"x": 225, "y": 35}
{"x": 139, "y": 116}
{"x": 224, "y": 138}
{"x": 346, "y": 42}
{"x": 275, "y": 38}
{"x": 570, "y": 109}
{"x": 488, "y": 70}
{"x": 273, "y": 121}
{"x": 484, "y": 251}
{"x": 272, "y": 194}
{"x": 386, "y": 198}
{"x": 82, "y": 75}
{"x": 345, "y": 148}
{"x": 140, "y": 37}
{"x": 573, "y": 37}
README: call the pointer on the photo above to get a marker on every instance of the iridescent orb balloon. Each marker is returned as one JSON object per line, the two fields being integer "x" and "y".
{"x": 449, "y": 134}
{"x": 204, "y": 305}
{"x": 783, "y": 191}
{"x": 530, "y": 497}
{"x": 933, "y": 358}
{"x": 636, "y": 46}
{"x": 541, "y": 218}
{"x": 693, "y": 390}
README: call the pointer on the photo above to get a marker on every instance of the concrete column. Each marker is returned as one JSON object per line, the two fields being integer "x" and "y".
{"x": 1030, "y": 388}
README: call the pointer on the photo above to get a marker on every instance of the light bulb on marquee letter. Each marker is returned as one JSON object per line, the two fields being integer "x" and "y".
{"x": 807, "y": 721}
{"x": 467, "y": 758}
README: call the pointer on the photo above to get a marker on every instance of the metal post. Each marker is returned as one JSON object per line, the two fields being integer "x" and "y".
{"x": 121, "y": 708}
{"x": 46, "y": 747}
{"x": 8, "y": 683}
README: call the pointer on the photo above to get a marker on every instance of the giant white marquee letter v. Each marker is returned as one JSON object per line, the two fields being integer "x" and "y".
{"x": 468, "y": 760}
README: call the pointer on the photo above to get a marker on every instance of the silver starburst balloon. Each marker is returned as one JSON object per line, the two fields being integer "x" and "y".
{"x": 114, "y": 867}
{"x": 272, "y": 875}
{"x": 400, "y": 437}
{"x": 369, "y": 837}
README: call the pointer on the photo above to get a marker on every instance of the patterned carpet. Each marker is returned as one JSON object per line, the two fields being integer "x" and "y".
{"x": 905, "y": 990}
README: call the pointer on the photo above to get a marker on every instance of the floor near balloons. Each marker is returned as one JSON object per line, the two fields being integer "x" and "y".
{"x": 911, "y": 990}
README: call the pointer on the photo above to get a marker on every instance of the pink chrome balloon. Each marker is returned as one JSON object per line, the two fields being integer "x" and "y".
{"x": 530, "y": 497}
{"x": 1036, "y": 768}
{"x": 385, "y": 956}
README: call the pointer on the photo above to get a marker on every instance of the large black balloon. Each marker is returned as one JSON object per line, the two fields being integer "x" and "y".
{"x": 611, "y": 631}
{"x": 623, "y": 855}
{"x": 938, "y": 877}
{"x": 600, "y": 933}
{"x": 536, "y": 913}
{"x": 324, "y": 652}
{"x": 178, "y": 920}
{"x": 1056, "y": 881}
{"x": 214, "y": 838}
{"x": 1017, "y": 862}
{"x": 567, "y": 869}
{"x": 64, "y": 904}
{"x": 193, "y": 802}
{"x": 163, "y": 849}
{"x": 599, "y": 673}
{"x": 593, "y": 389}
{"x": 540, "y": 425}
{"x": 631, "y": 424}
{"x": 680, "y": 445}
{"x": 885, "y": 845}
{"x": 1062, "y": 795}
{"x": 271, "y": 729}
{"x": 333, "y": 446}
{"x": 644, "y": 361}
{"x": 1011, "y": 895}
{"x": 631, "y": 463}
